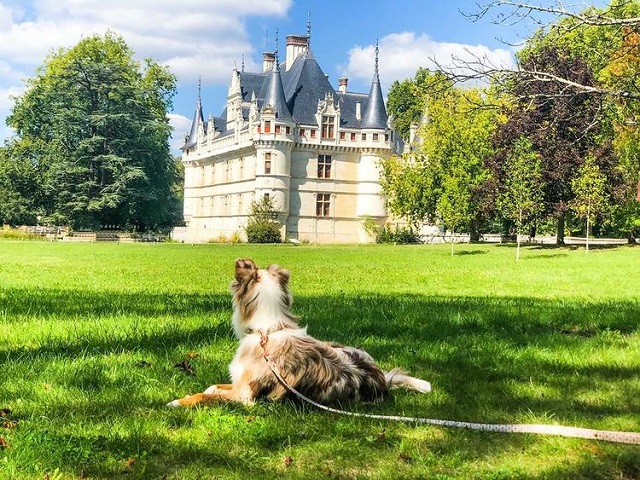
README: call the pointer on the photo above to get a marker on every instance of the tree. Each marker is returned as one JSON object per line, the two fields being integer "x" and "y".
{"x": 263, "y": 225}
{"x": 407, "y": 100}
{"x": 589, "y": 187}
{"x": 560, "y": 127}
{"x": 562, "y": 27}
{"x": 93, "y": 124}
{"x": 443, "y": 176}
{"x": 521, "y": 198}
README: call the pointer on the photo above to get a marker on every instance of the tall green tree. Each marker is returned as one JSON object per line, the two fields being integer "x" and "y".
{"x": 443, "y": 177}
{"x": 521, "y": 197}
{"x": 93, "y": 124}
{"x": 589, "y": 187}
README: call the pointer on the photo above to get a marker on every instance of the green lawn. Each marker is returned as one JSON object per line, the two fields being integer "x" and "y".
{"x": 90, "y": 335}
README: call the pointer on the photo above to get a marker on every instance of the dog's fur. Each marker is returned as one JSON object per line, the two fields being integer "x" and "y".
{"x": 325, "y": 372}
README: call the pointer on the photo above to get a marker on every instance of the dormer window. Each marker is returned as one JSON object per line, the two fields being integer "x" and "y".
{"x": 328, "y": 126}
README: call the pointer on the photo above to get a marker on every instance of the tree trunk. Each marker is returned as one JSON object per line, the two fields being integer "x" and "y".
{"x": 587, "y": 244}
{"x": 560, "y": 231}
{"x": 452, "y": 234}
{"x": 474, "y": 233}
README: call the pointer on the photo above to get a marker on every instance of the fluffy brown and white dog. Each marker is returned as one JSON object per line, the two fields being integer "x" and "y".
{"x": 325, "y": 372}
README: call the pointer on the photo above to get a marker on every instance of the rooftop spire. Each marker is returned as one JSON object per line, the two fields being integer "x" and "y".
{"x": 275, "y": 91}
{"x": 276, "y": 53}
{"x": 198, "y": 119}
{"x": 308, "y": 32}
{"x": 376, "y": 74}
{"x": 375, "y": 114}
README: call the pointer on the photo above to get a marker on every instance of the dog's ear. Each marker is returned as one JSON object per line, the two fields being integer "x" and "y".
{"x": 245, "y": 269}
{"x": 282, "y": 274}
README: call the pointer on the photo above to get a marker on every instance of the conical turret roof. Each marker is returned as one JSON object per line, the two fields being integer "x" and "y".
{"x": 375, "y": 114}
{"x": 198, "y": 119}
{"x": 274, "y": 96}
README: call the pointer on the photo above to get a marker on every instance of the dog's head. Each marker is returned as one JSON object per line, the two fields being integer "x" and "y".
{"x": 265, "y": 290}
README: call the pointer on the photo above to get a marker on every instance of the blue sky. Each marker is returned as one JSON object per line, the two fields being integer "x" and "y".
{"x": 205, "y": 38}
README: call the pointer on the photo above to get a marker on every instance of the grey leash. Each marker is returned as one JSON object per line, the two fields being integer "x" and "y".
{"x": 632, "y": 438}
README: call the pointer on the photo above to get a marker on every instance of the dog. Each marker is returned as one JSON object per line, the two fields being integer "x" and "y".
{"x": 326, "y": 372}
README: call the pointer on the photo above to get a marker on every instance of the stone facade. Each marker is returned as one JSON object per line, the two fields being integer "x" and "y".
{"x": 287, "y": 134}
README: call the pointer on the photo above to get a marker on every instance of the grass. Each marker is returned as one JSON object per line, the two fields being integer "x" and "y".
{"x": 90, "y": 336}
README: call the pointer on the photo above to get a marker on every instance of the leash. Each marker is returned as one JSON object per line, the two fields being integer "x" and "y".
{"x": 632, "y": 438}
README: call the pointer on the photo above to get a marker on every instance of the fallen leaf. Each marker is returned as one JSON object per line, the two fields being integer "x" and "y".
{"x": 9, "y": 424}
{"x": 381, "y": 435}
{"x": 186, "y": 367}
{"x": 288, "y": 461}
{"x": 5, "y": 412}
{"x": 405, "y": 458}
{"x": 192, "y": 354}
{"x": 129, "y": 463}
{"x": 3, "y": 443}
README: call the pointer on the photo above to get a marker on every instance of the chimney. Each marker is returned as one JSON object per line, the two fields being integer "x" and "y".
{"x": 296, "y": 45}
{"x": 342, "y": 84}
{"x": 268, "y": 60}
{"x": 358, "y": 110}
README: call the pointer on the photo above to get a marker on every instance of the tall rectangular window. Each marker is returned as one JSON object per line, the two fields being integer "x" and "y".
{"x": 327, "y": 126}
{"x": 267, "y": 163}
{"x": 267, "y": 126}
{"x": 323, "y": 204}
{"x": 324, "y": 166}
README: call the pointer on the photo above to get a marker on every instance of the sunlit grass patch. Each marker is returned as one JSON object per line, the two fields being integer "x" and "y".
{"x": 95, "y": 339}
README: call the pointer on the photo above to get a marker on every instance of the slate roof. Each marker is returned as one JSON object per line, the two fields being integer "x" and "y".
{"x": 295, "y": 93}
{"x": 192, "y": 138}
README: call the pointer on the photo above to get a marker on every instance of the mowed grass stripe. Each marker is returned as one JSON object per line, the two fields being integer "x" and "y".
{"x": 90, "y": 336}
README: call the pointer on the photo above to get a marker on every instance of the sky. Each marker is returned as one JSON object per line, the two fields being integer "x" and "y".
{"x": 206, "y": 38}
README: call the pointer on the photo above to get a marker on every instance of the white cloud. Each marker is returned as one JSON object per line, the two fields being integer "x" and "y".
{"x": 181, "y": 126}
{"x": 194, "y": 37}
{"x": 401, "y": 54}
{"x": 163, "y": 29}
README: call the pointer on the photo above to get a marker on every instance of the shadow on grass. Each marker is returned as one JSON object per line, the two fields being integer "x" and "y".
{"x": 470, "y": 252}
{"x": 489, "y": 360}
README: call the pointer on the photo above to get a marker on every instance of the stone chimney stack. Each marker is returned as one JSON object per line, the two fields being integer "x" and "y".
{"x": 268, "y": 61}
{"x": 296, "y": 45}
{"x": 342, "y": 84}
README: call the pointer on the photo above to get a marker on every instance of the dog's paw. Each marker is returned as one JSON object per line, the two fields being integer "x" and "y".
{"x": 211, "y": 389}
{"x": 423, "y": 386}
{"x": 174, "y": 404}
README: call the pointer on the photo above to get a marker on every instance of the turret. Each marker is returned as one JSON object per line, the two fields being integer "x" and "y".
{"x": 375, "y": 114}
{"x": 197, "y": 124}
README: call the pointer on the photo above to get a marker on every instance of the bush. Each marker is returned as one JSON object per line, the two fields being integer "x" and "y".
{"x": 263, "y": 226}
{"x": 263, "y": 232}
{"x": 403, "y": 235}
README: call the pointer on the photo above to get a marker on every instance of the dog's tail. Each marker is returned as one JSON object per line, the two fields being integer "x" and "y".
{"x": 397, "y": 378}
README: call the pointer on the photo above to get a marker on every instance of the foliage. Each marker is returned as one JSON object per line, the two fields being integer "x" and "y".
{"x": 92, "y": 334}
{"x": 589, "y": 188}
{"x": 563, "y": 129}
{"x": 403, "y": 235}
{"x": 408, "y": 100}
{"x": 92, "y": 127}
{"x": 521, "y": 198}
{"x": 262, "y": 226}
{"x": 443, "y": 177}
